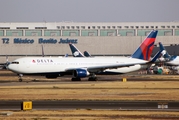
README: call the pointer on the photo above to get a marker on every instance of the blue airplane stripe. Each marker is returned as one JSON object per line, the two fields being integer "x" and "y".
{"x": 153, "y": 35}
{"x": 148, "y": 48}
{"x": 138, "y": 54}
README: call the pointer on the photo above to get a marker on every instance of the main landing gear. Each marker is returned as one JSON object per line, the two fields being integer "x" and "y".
{"x": 20, "y": 77}
{"x": 92, "y": 77}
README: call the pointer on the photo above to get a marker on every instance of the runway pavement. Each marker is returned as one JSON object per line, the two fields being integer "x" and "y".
{"x": 73, "y": 104}
{"x": 113, "y": 105}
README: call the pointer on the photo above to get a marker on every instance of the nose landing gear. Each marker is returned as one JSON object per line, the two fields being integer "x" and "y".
{"x": 20, "y": 77}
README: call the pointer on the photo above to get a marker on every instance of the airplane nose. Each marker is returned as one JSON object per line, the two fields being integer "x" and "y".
{"x": 8, "y": 64}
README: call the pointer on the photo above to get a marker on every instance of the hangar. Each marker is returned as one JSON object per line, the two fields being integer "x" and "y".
{"x": 99, "y": 38}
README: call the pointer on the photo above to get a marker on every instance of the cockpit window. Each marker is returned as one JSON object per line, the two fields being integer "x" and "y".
{"x": 14, "y": 62}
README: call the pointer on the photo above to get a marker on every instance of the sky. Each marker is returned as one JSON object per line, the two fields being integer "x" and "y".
{"x": 89, "y": 10}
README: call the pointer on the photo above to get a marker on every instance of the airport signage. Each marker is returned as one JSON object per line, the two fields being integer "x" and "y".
{"x": 23, "y": 41}
{"x": 64, "y": 41}
{"x": 45, "y": 41}
{"x": 40, "y": 41}
{"x": 5, "y": 40}
{"x": 54, "y": 41}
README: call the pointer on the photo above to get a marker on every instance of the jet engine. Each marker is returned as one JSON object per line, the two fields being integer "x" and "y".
{"x": 79, "y": 73}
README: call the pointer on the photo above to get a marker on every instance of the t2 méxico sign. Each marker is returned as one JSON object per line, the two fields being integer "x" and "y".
{"x": 40, "y": 41}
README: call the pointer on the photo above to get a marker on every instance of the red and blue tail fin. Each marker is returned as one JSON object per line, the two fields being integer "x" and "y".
{"x": 145, "y": 49}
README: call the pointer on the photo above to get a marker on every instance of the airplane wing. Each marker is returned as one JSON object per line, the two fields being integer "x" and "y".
{"x": 102, "y": 68}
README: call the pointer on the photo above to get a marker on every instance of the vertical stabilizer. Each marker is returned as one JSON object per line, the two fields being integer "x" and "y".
{"x": 145, "y": 49}
{"x": 164, "y": 52}
{"x": 86, "y": 54}
{"x": 75, "y": 51}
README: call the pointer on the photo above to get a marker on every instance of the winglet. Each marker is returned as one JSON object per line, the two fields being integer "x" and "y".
{"x": 144, "y": 51}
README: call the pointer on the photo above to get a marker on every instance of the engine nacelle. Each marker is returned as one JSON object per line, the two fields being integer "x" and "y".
{"x": 80, "y": 73}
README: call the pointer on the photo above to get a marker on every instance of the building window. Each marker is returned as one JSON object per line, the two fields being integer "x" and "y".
{"x": 63, "y": 27}
{"x": 132, "y": 26}
{"x": 72, "y": 34}
{"x": 88, "y": 27}
{"x": 99, "y": 27}
{"x": 53, "y": 34}
{"x": 15, "y": 34}
{"x": 119, "y": 27}
{"x": 109, "y": 27}
{"x": 168, "y": 26}
{"x": 173, "y": 26}
{"x": 168, "y": 33}
{"x": 110, "y": 34}
{"x": 129, "y": 34}
{"x": 40, "y": 27}
{"x": 104, "y": 27}
{"x": 93, "y": 27}
{"x": 126, "y": 26}
{"x": 4, "y": 27}
{"x": 91, "y": 34}
{"x": 83, "y": 27}
{"x": 113, "y": 27}
{"x": 34, "y": 34}
{"x": 68, "y": 27}
{"x": 77, "y": 27}
{"x": 22, "y": 28}
{"x": 162, "y": 26}
{"x": 146, "y": 33}
{"x": 151, "y": 26}
{"x": 142, "y": 27}
{"x": 136, "y": 27}
{"x": 156, "y": 26}
{"x": 72, "y": 27}
{"x": 58, "y": 27}
{"x": 147, "y": 27}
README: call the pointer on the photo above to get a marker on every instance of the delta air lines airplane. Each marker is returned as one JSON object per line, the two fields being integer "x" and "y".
{"x": 53, "y": 67}
{"x": 77, "y": 53}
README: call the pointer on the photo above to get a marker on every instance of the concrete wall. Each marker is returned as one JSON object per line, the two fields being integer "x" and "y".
{"x": 117, "y": 45}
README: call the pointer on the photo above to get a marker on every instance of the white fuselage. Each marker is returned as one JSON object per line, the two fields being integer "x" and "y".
{"x": 34, "y": 65}
{"x": 175, "y": 61}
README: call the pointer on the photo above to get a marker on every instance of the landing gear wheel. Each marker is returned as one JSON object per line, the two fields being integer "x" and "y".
{"x": 20, "y": 77}
{"x": 92, "y": 79}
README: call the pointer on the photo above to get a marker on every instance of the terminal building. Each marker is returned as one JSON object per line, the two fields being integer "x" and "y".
{"x": 98, "y": 38}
